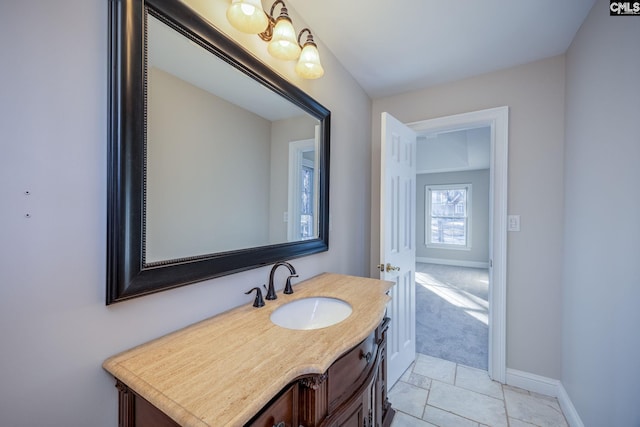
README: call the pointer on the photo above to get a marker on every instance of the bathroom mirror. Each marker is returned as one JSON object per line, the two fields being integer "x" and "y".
{"x": 217, "y": 164}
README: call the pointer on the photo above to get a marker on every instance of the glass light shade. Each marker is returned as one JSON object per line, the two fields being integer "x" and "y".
{"x": 283, "y": 44}
{"x": 308, "y": 65}
{"x": 247, "y": 16}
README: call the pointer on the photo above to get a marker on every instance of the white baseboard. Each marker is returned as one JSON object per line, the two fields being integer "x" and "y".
{"x": 568, "y": 409}
{"x": 548, "y": 387}
{"x": 454, "y": 262}
{"x": 533, "y": 382}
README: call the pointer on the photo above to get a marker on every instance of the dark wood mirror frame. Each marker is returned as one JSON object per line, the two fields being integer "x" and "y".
{"x": 127, "y": 274}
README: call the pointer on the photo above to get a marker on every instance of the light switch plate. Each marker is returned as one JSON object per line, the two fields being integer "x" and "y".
{"x": 514, "y": 223}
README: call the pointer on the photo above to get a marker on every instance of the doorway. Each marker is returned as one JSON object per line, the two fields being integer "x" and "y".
{"x": 452, "y": 244}
{"x": 496, "y": 119}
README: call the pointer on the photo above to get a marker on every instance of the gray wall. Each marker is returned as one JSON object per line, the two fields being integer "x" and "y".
{"x": 55, "y": 330}
{"x": 535, "y": 95}
{"x": 479, "y": 252}
{"x": 601, "y": 285}
{"x": 208, "y": 172}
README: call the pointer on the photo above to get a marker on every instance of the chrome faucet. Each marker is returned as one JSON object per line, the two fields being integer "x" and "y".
{"x": 271, "y": 292}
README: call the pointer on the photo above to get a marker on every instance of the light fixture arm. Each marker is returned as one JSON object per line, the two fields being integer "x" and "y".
{"x": 283, "y": 10}
{"x": 267, "y": 34}
{"x": 309, "y": 37}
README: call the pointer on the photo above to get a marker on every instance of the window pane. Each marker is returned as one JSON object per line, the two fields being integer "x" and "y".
{"x": 306, "y": 227}
{"x": 448, "y": 231}
{"x": 449, "y": 203}
{"x": 306, "y": 203}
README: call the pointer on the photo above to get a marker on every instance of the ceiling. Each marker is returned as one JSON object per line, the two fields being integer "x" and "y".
{"x": 397, "y": 46}
{"x": 454, "y": 151}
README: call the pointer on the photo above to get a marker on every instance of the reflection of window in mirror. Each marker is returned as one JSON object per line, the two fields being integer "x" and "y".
{"x": 306, "y": 198}
{"x": 301, "y": 217}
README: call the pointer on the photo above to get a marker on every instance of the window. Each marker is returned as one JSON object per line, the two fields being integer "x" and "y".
{"x": 306, "y": 201}
{"x": 302, "y": 201}
{"x": 448, "y": 210}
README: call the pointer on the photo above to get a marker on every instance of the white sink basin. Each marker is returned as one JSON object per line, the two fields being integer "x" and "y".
{"x": 311, "y": 313}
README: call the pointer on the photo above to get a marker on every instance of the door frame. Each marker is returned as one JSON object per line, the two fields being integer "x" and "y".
{"x": 498, "y": 120}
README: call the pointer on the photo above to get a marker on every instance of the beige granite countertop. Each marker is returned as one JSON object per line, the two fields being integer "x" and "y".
{"x": 223, "y": 370}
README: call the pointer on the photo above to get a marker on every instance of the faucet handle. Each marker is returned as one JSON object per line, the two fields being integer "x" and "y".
{"x": 258, "y": 302}
{"x": 287, "y": 288}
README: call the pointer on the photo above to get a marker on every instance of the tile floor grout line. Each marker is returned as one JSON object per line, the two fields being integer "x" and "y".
{"x": 455, "y": 375}
{"x": 504, "y": 400}
{"x": 426, "y": 403}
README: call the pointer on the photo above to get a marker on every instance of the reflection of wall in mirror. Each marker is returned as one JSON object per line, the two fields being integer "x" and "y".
{"x": 282, "y": 133}
{"x": 208, "y": 172}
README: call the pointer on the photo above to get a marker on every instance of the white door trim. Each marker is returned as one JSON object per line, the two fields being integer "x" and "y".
{"x": 498, "y": 120}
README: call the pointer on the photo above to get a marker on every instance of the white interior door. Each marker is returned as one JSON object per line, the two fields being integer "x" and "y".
{"x": 397, "y": 241}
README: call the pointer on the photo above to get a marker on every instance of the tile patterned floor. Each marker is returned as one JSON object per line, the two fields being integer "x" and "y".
{"x": 436, "y": 392}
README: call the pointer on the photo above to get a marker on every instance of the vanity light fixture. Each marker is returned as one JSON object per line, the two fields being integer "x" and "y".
{"x": 247, "y": 16}
{"x": 308, "y": 65}
{"x": 281, "y": 35}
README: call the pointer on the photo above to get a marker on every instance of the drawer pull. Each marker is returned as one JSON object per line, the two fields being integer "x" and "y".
{"x": 367, "y": 356}
{"x": 280, "y": 424}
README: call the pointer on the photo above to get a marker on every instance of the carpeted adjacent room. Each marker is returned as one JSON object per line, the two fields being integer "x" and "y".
{"x": 452, "y": 311}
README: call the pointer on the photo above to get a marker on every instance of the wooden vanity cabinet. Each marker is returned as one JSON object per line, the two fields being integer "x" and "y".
{"x": 351, "y": 393}
{"x": 134, "y": 410}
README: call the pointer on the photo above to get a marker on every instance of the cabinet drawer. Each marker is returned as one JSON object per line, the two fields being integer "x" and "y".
{"x": 283, "y": 409}
{"x": 351, "y": 370}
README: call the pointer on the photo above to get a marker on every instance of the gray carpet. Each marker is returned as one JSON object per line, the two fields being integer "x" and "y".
{"x": 452, "y": 313}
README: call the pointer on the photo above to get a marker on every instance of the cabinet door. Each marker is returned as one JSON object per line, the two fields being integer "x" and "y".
{"x": 354, "y": 415}
{"x": 355, "y": 419}
{"x": 282, "y": 410}
{"x": 359, "y": 413}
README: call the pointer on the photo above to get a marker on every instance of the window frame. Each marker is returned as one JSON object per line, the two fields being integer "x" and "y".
{"x": 468, "y": 217}
{"x": 296, "y": 163}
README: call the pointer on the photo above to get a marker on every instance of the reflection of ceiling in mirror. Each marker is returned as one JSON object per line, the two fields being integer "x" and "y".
{"x": 175, "y": 54}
